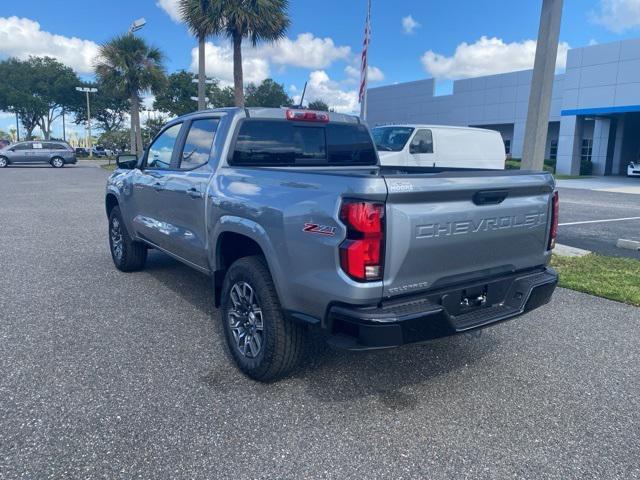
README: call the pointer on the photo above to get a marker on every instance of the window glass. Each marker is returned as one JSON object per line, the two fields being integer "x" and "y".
{"x": 161, "y": 150}
{"x": 197, "y": 147}
{"x": 422, "y": 142}
{"x": 391, "y": 139}
{"x": 553, "y": 150}
{"x": 278, "y": 143}
{"x": 587, "y": 149}
{"x": 22, "y": 146}
{"x": 350, "y": 144}
{"x": 53, "y": 146}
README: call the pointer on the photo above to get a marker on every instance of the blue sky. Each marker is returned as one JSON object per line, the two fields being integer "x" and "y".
{"x": 412, "y": 39}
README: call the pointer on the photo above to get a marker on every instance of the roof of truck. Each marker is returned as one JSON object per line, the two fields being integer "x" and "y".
{"x": 264, "y": 112}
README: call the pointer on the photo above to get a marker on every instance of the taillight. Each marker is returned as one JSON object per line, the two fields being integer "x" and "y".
{"x": 555, "y": 210}
{"x": 307, "y": 116}
{"x": 361, "y": 254}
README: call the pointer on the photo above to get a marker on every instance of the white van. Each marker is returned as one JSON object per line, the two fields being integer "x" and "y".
{"x": 439, "y": 146}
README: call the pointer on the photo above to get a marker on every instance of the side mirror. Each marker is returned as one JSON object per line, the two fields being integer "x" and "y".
{"x": 127, "y": 161}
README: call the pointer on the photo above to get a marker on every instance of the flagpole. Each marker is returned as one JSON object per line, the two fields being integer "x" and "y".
{"x": 365, "y": 65}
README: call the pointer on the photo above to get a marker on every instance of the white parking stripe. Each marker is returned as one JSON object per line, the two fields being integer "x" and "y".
{"x": 599, "y": 221}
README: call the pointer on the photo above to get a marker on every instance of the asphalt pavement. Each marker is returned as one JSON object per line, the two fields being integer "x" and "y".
{"x": 582, "y": 212}
{"x": 112, "y": 375}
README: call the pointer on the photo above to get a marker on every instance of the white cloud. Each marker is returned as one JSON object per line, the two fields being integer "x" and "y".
{"x": 219, "y": 63}
{"x": 171, "y": 7}
{"x": 305, "y": 51}
{"x": 374, "y": 74}
{"x": 486, "y": 56}
{"x": 618, "y": 15}
{"x": 409, "y": 25}
{"x": 22, "y": 37}
{"x": 321, "y": 87}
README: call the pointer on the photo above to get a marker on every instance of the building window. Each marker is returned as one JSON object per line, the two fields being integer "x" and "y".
{"x": 507, "y": 146}
{"x": 553, "y": 150}
{"x": 587, "y": 149}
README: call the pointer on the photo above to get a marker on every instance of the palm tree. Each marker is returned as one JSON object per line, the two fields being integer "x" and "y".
{"x": 257, "y": 20}
{"x": 196, "y": 14}
{"x": 132, "y": 67}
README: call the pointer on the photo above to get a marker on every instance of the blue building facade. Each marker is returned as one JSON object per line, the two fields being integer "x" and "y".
{"x": 595, "y": 107}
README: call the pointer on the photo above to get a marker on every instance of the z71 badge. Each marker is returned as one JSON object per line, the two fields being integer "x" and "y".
{"x": 319, "y": 229}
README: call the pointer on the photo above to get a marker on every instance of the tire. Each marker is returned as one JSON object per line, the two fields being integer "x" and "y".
{"x": 280, "y": 340}
{"x": 57, "y": 162}
{"x": 4, "y": 161}
{"x": 132, "y": 255}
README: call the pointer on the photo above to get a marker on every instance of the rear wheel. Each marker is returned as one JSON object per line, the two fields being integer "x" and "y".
{"x": 264, "y": 344}
{"x": 4, "y": 161}
{"x": 57, "y": 162}
{"x": 127, "y": 254}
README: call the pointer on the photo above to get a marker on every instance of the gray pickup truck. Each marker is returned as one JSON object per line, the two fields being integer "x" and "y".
{"x": 298, "y": 225}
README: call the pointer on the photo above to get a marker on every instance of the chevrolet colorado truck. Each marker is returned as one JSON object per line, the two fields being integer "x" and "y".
{"x": 299, "y": 226}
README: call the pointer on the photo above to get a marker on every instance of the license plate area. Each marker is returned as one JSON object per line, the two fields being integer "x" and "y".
{"x": 475, "y": 297}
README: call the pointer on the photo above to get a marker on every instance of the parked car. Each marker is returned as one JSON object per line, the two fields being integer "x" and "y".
{"x": 633, "y": 170}
{"x": 82, "y": 152}
{"x": 56, "y": 153}
{"x": 439, "y": 146}
{"x": 99, "y": 151}
{"x": 4, "y": 143}
{"x": 300, "y": 227}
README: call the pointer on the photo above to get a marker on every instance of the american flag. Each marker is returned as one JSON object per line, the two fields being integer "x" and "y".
{"x": 363, "y": 60}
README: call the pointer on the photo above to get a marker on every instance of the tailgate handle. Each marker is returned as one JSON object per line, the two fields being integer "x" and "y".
{"x": 490, "y": 197}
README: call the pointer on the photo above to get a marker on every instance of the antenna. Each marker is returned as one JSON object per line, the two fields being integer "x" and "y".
{"x": 304, "y": 90}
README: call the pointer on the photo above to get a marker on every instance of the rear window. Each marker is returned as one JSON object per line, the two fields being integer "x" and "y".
{"x": 284, "y": 143}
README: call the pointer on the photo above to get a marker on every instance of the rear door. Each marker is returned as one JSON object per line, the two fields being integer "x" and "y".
{"x": 450, "y": 227}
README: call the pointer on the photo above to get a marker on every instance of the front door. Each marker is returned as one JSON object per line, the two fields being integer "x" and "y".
{"x": 148, "y": 190}
{"x": 185, "y": 190}
{"x": 421, "y": 148}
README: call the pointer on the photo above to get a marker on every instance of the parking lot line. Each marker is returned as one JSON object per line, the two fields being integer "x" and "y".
{"x": 599, "y": 221}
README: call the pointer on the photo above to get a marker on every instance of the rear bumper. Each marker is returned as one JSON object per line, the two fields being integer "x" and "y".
{"x": 440, "y": 313}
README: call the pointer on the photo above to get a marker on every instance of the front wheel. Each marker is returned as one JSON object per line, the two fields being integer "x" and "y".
{"x": 127, "y": 254}
{"x": 264, "y": 344}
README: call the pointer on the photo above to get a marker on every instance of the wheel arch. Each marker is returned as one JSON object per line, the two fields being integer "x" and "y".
{"x": 110, "y": 202}
{"x": 236, "y": 238}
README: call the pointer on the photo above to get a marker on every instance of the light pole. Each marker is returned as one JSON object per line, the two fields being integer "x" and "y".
{"x": 535, "y": 134}
{"x": 88, "y": 90}
{"x": 17, "y": 128}
{"x": 137, "y": 25}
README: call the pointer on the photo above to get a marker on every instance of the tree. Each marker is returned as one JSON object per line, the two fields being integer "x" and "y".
{"x": 318, "y": 105}
{"x": 153, "y": 127}
{"x": 38, "y": 90}
{"x": 108, "y": 107}
{"x": 132, "y": 67}
{"x": 196, "y": 14}
{"x": 175, "y": 99}
{"x": 256, "y": 20}
{"x": 221, "y": 96}
{"x": 114, "y": 139}
{"x": 267, "y": 94}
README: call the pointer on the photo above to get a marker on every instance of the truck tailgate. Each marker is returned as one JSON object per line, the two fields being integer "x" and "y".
{"x": 449, "y": 227}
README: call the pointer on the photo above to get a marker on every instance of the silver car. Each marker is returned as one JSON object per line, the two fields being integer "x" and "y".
{"x": 56, "y": 154}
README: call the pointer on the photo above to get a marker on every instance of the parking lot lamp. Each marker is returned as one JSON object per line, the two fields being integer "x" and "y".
{"x": 88, "y": 90}
{"x": 137, "y": 25}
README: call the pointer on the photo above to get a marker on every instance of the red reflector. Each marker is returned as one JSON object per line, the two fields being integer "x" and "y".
{"x": 555, "y": 210}
{"x": 307, "y": 116}
{"x": 361, "y": 253}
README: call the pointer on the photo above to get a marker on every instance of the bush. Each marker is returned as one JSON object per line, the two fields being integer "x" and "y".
{"x": 586, "y": 167}
{"x": 514, "y": 164}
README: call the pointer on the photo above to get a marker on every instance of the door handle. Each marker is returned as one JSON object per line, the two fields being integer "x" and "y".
{"x": 490, "y": 197}
{"x": 194, "y": 193}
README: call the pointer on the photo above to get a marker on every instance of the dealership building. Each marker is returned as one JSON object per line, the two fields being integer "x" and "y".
{"x": 595, "y": 107}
